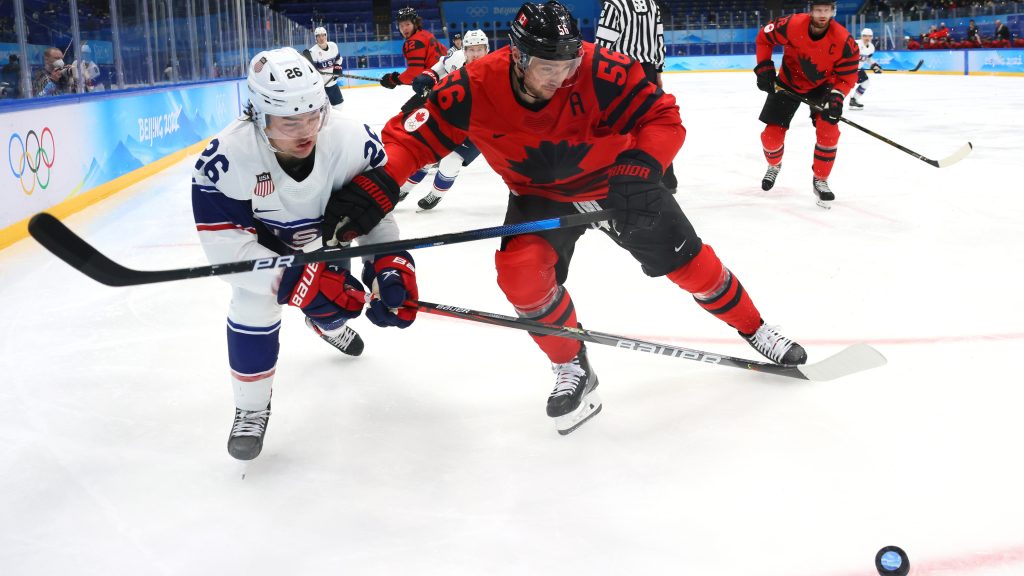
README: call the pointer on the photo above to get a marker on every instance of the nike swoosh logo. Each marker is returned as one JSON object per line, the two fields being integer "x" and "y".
{"x": 258, "y": 211}
{"x": 496, "y": 136}
{"x": 680, "y": 247}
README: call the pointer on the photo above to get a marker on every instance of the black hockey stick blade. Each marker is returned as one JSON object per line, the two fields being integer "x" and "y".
{"x": 914, "y": 69}
{"x": 953, "y": 158}
{"x": 918, "y": 67}
{"x": 850, "y": 360}
{"x": 71, "y": 248}
{"x": 357, "y": 77}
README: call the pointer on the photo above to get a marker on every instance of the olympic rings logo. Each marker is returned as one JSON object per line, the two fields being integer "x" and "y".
{"x": 32, "y": 158}
{"x": 478, "y": 11}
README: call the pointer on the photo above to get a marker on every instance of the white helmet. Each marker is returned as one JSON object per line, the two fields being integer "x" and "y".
{"x": 867, "y": 32}
{"x": 320, "y": 31}
{"x": 474, "y": 38}
{"x": 284, "y": 83}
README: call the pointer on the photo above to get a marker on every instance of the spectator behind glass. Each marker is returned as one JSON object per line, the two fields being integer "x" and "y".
{"x": 9, "y": 77}
{"x": 90, "y": 72}
{"x": 973, "y": 34}
{"x": 1002, "y": 33}
{"x": 54, "y": 78}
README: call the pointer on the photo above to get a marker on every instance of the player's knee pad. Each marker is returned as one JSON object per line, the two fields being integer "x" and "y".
{"x": 702, "y": 275}
{"x": 862, "y": 76}
{"x": 526, "y": 273}
{"x": 827, "y": 134}
{"x": 448, "y": 169}
{"x": 773, "y": 137}
{"x": 254, "y": 323}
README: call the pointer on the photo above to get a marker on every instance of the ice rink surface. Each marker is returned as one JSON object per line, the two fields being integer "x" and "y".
{"x": 432, "y": 454}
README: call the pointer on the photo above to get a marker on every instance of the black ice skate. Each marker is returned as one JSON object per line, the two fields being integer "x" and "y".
{"x": 429, "y": 201}
{"x": 769, "y": 177}
{"x": 775, "y": 346}
{"x": 247, "y": 431}
{"x": 348, "y": 341}
{"x": 574, "y": 399}
{"x": 824, "y": 193}
{"x": 854, "y": 105}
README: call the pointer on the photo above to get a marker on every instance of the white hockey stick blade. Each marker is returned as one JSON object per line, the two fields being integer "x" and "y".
{"x": 856, "y": 358}
{"x": 956, "y": 156}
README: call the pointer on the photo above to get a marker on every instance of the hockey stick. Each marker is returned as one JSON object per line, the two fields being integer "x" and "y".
{"x": 355, "y": 77}
{"x": 914, "y": 69}
{"x": 849, "y": 360}
{"x": 71, "y": 248}
{"x": 944, "y": 162}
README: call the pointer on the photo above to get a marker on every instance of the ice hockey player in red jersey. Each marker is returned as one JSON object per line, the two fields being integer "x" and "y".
{"x": 421, "y": 49}
{"x": 819, "y": 61}
{"x": 574, "y": 128}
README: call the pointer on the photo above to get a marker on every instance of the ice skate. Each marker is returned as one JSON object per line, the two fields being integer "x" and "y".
{"x": 246, "y": 439}
{"x": 574, "y": 399}
{"x": 824, "y": 193}
{"x": 854, "y": 105}
{"x": 345, "y": 339}
{"x": 429, "y": 201}
{"x": 776, "y": 347}
{"x": 769, "y": 177}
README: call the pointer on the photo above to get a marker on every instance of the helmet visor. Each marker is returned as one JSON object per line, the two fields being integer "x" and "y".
{"x": 299, "y": 127}
{"x": 550, "y": 74}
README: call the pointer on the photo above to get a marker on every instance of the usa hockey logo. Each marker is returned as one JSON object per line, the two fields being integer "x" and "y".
{"x": 264, "y": 185}
{"x": 258, "y": 66}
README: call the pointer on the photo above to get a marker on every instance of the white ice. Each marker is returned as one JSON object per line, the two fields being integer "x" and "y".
{"x": 432, "y": 454}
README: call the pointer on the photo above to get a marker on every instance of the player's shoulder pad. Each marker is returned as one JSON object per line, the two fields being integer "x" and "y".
{"x": 414, "y": 43}
{"x": 610, "y": 71}
{"x": 850, "y": 46}
{"x": 453, "y": 98}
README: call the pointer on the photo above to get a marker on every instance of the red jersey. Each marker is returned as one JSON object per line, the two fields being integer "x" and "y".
{"x": 561, "y": 149}
{"x": 421, "y": 51}
{"x": 811, "y": 62}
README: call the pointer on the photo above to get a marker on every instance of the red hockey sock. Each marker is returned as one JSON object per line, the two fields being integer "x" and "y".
{"x": 716, "y": 290}
{"x": 773, "y": 143}
{"x": 825, "y": 149}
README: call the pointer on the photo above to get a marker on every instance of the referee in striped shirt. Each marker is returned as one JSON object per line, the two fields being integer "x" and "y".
{"x": 633, "y": 27}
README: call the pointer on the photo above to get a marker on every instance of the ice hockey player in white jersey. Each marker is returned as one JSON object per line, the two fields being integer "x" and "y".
{"x": 269, "y": 184}
{"x": 867, "y": 50}
{"x": 325, "y": 56}
{"x": 475, "y": 46}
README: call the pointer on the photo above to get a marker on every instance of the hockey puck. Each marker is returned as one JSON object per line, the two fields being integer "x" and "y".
{"x": 892, "y": 561}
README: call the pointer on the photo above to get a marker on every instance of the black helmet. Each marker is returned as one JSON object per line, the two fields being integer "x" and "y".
{"x": 408, "y": 14}
{"x": 547, "y": 31}
{"x": 457, "y": 37}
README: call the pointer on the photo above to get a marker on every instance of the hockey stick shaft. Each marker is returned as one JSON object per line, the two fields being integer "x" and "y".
{"x": 357, "y": 77}
{"x": 914, "y": 69}
{"x": 953, "y": 158}
{"x": 851, "y": 360}
{"x": 73, "y": 249}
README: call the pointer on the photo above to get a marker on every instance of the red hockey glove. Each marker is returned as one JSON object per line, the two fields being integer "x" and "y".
{"x": 393, "y": 281}
{"x": 832, "y": 107}
{"x": 635, "y": 190}
{"x": 355, "y": 208}
{"x": 765, "y": 76}
{"x": 390, "y": 80}
{"x": 319, "y": 289}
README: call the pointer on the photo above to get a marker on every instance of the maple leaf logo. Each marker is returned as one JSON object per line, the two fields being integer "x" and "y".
{"x": 810, "y": 70}
{"x": 551, "y": 162}
{"x": 421, "y": 116}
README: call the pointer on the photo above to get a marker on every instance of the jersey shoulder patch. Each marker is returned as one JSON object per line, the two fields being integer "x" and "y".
{"x": 610, "y": 71}
{"x": 454, "y": 99}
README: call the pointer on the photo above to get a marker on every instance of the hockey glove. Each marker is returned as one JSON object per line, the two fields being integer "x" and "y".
{"x": 319, "y": 289}
{"x": 392, "y": 279}
{"x": 765, "y": 76}
{"x": 355, "y": 208}
{"x": 635, "y": 190}
{"x": 876, "y": 68}
{"x": 417, "y": 101}
{"x": 390, "y": 80}
{"x": 424, "y": 81}
{"x": 832, "y": 107}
